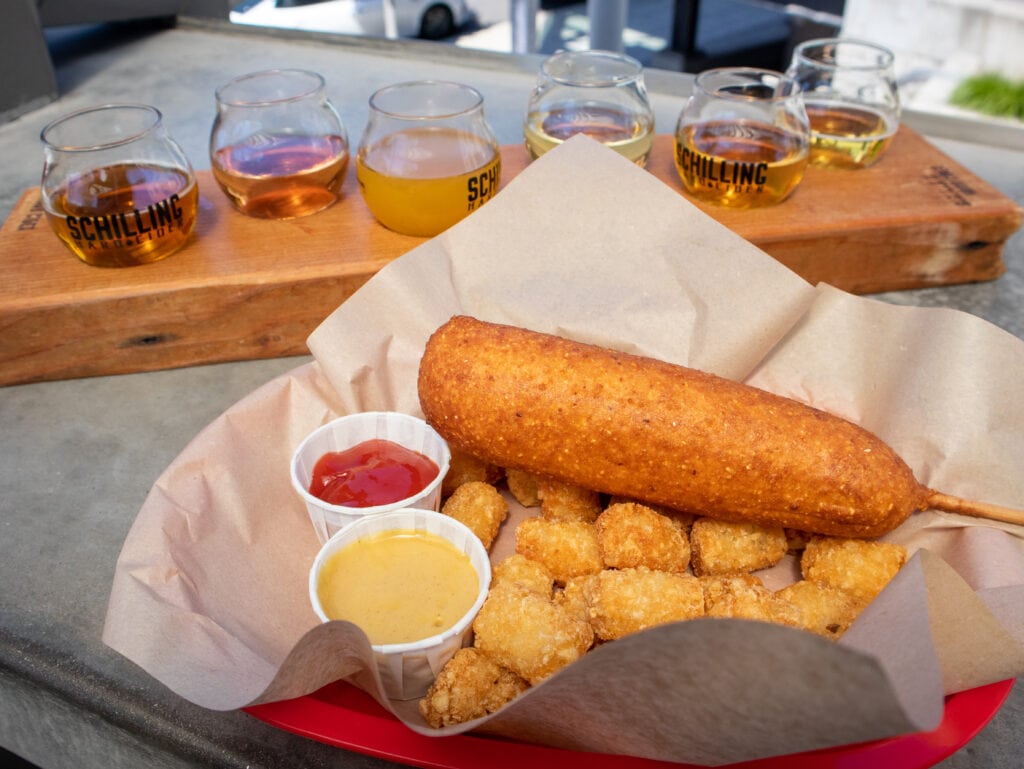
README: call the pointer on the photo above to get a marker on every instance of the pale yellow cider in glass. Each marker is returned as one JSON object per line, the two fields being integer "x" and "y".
{"x": 846, "y": 136}
{"x": 420, "y": 181}
{"x": 629, "y": 134}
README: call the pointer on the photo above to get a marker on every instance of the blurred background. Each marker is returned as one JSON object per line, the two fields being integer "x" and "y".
{"x": 939, "y": 44}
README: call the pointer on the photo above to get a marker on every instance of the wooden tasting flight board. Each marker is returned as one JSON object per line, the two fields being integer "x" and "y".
{"x": 250, "y": 288}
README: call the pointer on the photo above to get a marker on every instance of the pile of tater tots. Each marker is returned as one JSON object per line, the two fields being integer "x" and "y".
{"x": 588, "y": 570}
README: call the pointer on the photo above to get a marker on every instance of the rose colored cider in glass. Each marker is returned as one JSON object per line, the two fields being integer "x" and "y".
{"x": 739, "y": 164}
{"x": 844, "y": 136}
{"x": 420, "y": 181}
{"x": 282, "y": 176}
{"x": 629, "y": 134}
{"x": 125, "y": 214}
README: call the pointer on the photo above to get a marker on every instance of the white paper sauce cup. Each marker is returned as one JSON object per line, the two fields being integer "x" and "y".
{"x": 407, "y": 669}
{"x": 348, "y": 431}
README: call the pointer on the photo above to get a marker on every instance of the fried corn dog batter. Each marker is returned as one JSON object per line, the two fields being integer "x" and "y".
{"x": 637, "y": 427}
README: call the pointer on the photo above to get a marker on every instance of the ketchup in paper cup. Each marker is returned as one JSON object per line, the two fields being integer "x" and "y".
{"x": 368, "y": 463}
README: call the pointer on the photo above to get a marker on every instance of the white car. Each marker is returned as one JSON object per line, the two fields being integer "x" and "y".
{"x": 429, "y": 19}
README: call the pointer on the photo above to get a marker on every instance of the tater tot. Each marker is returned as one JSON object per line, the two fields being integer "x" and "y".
{"x": 524, "y": 571}
{"x": 567, "y": 548}
{"x": 624, "y": 601}
{"x": 827, "y": 611}
{"x": 565, "y": 502}
{"x": 464, "y": 468}
{"x": 528, "y": 633}
{"x": 725, "y": 547}
{"x": 480, "y": 506}
{"x": 744, "y": 596}
{"x": 631, "y": 534}
{"x": 861, "y": 567}
{"x": 523, "y": 486}
{"x": 576, "y": 594}
{"x": 471, "y": 685}
{"x": 685, "y": 520}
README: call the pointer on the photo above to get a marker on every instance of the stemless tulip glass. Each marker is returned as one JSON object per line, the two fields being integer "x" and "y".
{"x": 116, "y": 188}
{"x": 427, "y": 157}
{"x": 597, "y": 93}
{"x": 742, "y": 137}
{"x": 851, "y": 98}
{"x": 278, "y": 148}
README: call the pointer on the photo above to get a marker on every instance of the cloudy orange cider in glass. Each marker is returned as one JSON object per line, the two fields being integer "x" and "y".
{"x": 399, "y": 586}
{"x": 421, "y": 181}
{"x": 427, "y": 158}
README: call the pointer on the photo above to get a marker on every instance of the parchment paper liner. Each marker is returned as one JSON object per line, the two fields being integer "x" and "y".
{"x": 586, "y": 245}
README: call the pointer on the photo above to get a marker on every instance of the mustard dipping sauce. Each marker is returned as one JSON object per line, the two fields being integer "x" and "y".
{"x": 398, "y": 586}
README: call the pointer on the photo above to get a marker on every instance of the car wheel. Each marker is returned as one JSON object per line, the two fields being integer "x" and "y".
{"x": 437, "y": 22}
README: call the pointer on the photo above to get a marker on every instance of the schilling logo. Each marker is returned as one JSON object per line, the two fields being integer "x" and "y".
{"x": 153, "y": 222}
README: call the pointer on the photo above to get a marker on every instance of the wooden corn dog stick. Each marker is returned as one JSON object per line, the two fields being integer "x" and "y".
{"x": 641, "y": 428}
{"x": 950, "y": 504}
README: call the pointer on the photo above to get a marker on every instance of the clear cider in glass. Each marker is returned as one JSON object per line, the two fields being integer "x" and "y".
{"x": 597, "y": 93}
{"x": 851, "y": 97}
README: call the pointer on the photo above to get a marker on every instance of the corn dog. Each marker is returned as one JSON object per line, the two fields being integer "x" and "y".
{"x": 661, "y": 433}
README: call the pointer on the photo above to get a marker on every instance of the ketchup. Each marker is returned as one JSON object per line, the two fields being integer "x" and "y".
{"x": 374, "y": 472}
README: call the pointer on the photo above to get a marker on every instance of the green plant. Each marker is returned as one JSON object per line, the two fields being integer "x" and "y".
{"x": 991, "y": 94}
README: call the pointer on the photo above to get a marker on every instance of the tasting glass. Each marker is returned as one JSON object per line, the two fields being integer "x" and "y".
{"x": 278, "y": 148}
{"x": 116, "y": 188}
{"x": 427, "y": 157}
{"x": 597, "y": 93}
{"x": 742, "y": 138}
{"x": 851, "y": 98}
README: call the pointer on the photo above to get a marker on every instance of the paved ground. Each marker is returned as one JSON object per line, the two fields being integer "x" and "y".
{"x": 725, "y": 27}
{"x": 728, "y": 31}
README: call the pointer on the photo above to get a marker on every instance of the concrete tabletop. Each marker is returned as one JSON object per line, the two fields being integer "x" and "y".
{"x": 79, "y": 456}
